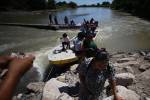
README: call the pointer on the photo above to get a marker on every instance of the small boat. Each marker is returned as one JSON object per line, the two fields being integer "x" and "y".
{"x": 59, "y": 57}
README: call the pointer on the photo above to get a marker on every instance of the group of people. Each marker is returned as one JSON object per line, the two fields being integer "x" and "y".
{"x": 66, "y": 20}
{"x": 94, "y": 67}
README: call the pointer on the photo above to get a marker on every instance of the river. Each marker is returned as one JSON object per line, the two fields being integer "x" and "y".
{"x": 117, "y": 31}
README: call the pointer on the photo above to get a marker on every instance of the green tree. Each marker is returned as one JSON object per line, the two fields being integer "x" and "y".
{"x": 105, "y": 4}
{"x": 72, "y": 4}
{"x": 51, "y": 4}
{"x": 136, "y": 7}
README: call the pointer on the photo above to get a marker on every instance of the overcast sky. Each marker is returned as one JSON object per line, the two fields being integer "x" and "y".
{"x": 80, "y": 2}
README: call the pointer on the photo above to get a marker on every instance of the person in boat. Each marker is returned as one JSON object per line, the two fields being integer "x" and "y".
{"x": 92, "y": 21}
{"x": 50, "y": 19}
{"x": 65, "y": 42}
{"x": 87, "y": 26}
{"x": 66, "y": 20}
{"x": 16, "y": 66}
{"x": 72, "y": 23}
{"x": 93, "y": 74}
{"x": 78, "y": 43}
{"x": 56, "y": 21}
{"x": 88, "y": 47}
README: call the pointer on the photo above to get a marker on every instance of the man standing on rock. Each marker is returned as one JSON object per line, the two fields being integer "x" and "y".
{"x": 93, "y": 74}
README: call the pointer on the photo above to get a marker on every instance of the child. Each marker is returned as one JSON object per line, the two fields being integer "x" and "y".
{"x": 65, "y": 41}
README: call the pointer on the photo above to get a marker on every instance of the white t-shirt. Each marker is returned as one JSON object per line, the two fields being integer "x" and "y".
{"x": 66, "y": 39}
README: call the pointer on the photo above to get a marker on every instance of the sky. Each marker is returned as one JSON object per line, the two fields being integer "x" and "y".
{"x": 80, "y": 2}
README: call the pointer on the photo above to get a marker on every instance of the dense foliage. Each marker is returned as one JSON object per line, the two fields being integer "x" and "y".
{"x": 136, "y": 7}
{"x": 64, "y": 4}
{"x": 51, "y": 4}
{"x": 34, "y": 4}
{"x": 103, "y": 4}
{"x": 26, "y": 4}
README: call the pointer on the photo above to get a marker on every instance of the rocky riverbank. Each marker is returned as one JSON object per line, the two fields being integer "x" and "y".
{"x": 132, "y": 76}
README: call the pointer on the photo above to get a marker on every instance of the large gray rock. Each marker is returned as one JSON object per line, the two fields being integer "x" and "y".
{"x": 74, "y": 67}
{"x": 130, "y": 63}
{"x": 147, "y": 98}
{"x": 125, "y": 93}
{"x": 144, "y": 67}
{"x": 55, "y": 90}
{"x": 147, "y": 57}
{"x": 61, "y": 78}
{"x": 125, "y": 79}
{"x": 36, "y": 87}
{"x": 125, "y": 69}
{"x": 135, "y": 55}
{"x": 119, "y": 56}
{"x": 123, "y": 60}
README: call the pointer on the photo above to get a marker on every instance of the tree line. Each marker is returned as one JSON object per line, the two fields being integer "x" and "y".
{"x": 34, "y": 4}
{"x": 136, "y": 7}
{"x": 103, "y": 4}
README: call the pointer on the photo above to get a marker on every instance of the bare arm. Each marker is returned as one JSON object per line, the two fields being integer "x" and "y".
{"x": 114, "y": 90}
{"x": 16, "y": 69}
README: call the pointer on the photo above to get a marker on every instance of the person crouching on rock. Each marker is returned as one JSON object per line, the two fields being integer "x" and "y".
{"x": 65, "y": 42}
{"x": 93, "y": 74}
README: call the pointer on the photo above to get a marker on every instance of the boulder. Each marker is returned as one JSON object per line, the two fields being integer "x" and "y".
{"x": 125, "y": 79}
{"x": 36, "y": 87}
{"x": 135, "y": 55}
{"x": 130, "y": 63}
{"x": 123, "y": 60}
{"x": 61, "y": 78}
{"x": 64, "y": 96}
{"x": 142, "y": 53}
{"x": 145, "y": 75}
{"x": 119, "y": 56}
{"x": 147, "y": 58}
{"x": 146, "y": 98}
{"x": 19, "y": 96}
{"x": 55, "y": 90}
{"x": 125, "y": 69}
{"x": 144, "y": 67}
{"x": 125, "y": 93}
{"x": 74, "y": 67}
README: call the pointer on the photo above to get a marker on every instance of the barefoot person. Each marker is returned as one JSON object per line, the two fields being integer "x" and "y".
{"x": 93, "y": 74}
{"x": 16, "y": 68}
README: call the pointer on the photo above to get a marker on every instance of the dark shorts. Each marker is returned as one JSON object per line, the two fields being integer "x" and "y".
{"x": 65, "y": 43}
{"x": 78, "y": 53}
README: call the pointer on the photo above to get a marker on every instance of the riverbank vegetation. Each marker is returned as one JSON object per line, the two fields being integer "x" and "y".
{"x": 136, "y": 7}
{"x": 64, "y": 4}
{"x": 103, "y": 4}
{"x": 12, "y": 5}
